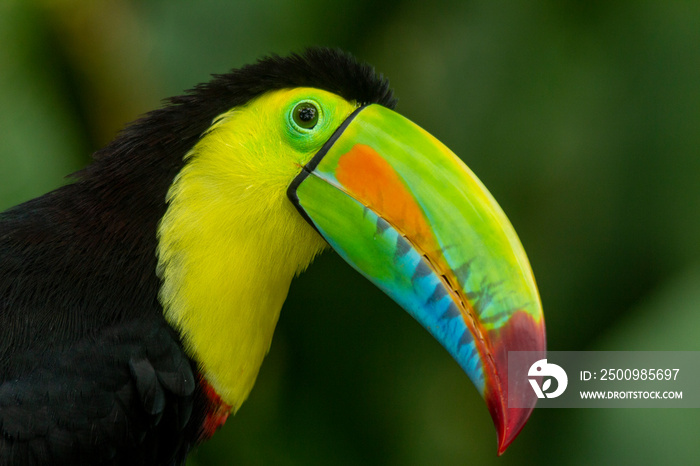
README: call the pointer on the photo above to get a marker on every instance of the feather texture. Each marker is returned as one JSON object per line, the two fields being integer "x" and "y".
{"x": 90, "y": 370}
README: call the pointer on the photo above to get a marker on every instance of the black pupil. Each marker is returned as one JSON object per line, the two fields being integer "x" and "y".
{"x": 307, "y": 113}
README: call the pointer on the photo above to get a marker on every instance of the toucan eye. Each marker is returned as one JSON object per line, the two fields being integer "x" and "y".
{"x": 305, "y": 115}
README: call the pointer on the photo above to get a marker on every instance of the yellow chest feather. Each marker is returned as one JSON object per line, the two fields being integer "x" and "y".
{"x": 229, "y": 246}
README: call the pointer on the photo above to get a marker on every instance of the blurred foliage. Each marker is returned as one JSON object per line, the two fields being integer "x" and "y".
{"x": 582, "y": 118}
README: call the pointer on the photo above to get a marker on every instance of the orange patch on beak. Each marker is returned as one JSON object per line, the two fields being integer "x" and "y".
{"x": 372, "y": 181}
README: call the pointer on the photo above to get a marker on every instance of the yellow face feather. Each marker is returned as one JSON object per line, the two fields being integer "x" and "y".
{"x": 231, "y": 241}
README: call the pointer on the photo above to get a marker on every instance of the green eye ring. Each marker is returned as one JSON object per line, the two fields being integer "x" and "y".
{"x": 305, "y": 115}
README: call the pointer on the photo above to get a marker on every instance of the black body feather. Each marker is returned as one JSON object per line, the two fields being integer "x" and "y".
{"x": 90, "y": 372}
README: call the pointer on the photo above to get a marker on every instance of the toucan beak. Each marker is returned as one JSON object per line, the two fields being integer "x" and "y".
{"x": 409, "y": 215}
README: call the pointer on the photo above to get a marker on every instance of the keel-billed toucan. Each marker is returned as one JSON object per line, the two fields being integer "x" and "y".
{"x": 137, "y": 303}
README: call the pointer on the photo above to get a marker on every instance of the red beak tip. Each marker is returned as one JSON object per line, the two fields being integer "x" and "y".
{"x": 505, "y": 439}
{"x": 503, "y": 443}
{"x": 509, "y": 424}
{"x": 521, "y": 333}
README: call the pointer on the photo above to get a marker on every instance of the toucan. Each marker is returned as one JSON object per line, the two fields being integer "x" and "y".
{"x": 138, "y": 301}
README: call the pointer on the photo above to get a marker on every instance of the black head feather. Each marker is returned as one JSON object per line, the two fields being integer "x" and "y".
{"x": 183, "y": 120}
{"x": 150, "y": 151}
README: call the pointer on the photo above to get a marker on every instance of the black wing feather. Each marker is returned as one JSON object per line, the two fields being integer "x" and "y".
{"x": 84, "y": 405}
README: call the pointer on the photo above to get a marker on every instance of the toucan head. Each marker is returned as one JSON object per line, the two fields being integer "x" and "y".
{"x": 307, "y": 164}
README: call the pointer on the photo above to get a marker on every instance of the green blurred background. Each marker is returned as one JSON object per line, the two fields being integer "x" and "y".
{"x": 582, "y": 118}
